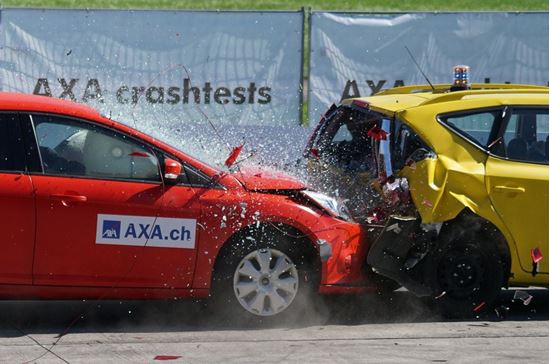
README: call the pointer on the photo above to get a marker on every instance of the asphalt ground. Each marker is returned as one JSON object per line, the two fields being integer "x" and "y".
{"x": 398, "y": 328}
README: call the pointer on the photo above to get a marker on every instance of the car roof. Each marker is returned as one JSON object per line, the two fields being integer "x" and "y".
{"x": 25, "y": 102}
{"x": 406, "y": 97}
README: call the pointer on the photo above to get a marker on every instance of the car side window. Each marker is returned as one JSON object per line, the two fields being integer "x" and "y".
{"x": 407, "y": 145}
{"x": 195, "y": 178}
{"x": 12, "y": 154}
{"x": 525, "y": 135}
{"x": 78, "y": 148}
{"x": 474, "y": 126}
{"x": 346, "y": 143}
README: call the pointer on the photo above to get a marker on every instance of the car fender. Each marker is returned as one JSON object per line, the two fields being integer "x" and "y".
{"x": 346, "y": 239}
{"x": 450, "y": 188}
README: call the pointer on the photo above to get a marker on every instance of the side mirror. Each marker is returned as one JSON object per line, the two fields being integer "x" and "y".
{"x": 172, "y": 171}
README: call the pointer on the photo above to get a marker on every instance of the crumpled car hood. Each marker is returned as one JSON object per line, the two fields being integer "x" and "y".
{"x": 261, "y": 180}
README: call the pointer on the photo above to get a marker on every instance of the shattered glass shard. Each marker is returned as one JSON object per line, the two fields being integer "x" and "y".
{"x": 502, "y": 312}
{"x": 523, "y": 297}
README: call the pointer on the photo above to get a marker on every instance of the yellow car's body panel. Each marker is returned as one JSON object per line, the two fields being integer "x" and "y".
{"x": 511, "y": 195}
{"x": 520, "y": 196}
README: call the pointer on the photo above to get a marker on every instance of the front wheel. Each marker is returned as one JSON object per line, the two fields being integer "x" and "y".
{"x": 263, "y": 280}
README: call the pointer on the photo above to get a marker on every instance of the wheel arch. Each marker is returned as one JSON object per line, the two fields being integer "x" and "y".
{"x": 305, "y": 252}
{"x": 469, "y": 219}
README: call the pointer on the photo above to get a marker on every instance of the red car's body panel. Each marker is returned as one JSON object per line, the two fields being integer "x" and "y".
{"x": 52, "y": 249}
{"x": 17, "y": 217}
{"x": 66, "y": 252}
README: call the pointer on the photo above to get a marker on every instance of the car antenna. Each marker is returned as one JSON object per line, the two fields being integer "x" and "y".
{"x": 420, "y": 69}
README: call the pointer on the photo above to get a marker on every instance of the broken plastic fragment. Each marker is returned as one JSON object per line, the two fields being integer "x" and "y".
{"x": 523, "y": 297}
{"x": 395, "y": 228}
{"x": 167, "y": 357}
{"x": 441, "y": 295}
{"x": 233, "y": 155}
{"x": 536, "y": 255}
{"x": 479, "y": 307}
{"x": 377, "y": 133}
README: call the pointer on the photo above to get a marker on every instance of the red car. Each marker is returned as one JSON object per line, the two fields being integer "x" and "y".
{"x": 90, "y": 208}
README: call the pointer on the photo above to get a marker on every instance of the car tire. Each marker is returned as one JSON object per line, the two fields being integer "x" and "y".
{"x": 263, "y": 279}
{"x": 467, "y": 272}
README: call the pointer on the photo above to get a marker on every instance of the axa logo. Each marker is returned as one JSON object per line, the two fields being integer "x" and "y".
{"x": 146, "y": 231}
{"x": 111, "y": 229}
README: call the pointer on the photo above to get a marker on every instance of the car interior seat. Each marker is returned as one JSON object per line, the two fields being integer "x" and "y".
{"x": 107, "y": 156}
{"x": 537, "y": 152}
{"x": 517, "y": 149}
{"x": 51, "y": 162}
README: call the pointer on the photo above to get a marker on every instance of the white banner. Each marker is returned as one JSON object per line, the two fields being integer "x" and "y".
{"x": 358, "y": 54}
{"x": 164, "y": 72}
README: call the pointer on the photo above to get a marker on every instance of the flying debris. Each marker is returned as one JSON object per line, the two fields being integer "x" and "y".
{"x": 233, "y": 156}
{"x": 377, "y": 133}
{"x": 523, "y": 297}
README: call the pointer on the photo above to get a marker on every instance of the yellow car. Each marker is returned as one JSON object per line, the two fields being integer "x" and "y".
{"x": 452, "y": 185}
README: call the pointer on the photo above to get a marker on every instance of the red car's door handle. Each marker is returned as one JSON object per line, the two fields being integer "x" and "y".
{"x": 67, "y": 199}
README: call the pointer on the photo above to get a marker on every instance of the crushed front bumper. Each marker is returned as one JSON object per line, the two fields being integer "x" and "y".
{"x": 343, "y": 251}
{"x": 399, "y": 251}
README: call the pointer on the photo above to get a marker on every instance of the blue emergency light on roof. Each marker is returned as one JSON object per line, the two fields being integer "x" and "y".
{"x": 461, "y": 78}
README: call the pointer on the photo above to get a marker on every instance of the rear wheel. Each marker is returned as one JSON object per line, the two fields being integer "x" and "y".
{"x": 468, "y": 273}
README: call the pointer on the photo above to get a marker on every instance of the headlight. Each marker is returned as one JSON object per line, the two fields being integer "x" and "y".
{"x": 331, "y": 205}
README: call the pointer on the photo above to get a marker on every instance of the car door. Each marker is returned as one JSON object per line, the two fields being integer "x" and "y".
{"x": 517, "y": 181}
{"x": 17, "y": 211}
{"x": 100, "y": 215}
